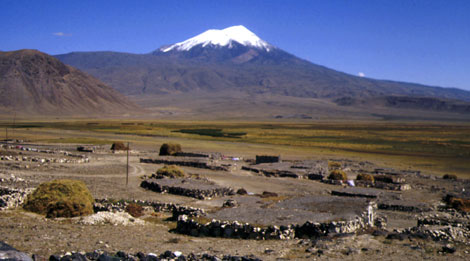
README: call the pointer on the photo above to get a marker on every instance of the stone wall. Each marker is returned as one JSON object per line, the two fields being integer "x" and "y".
{"x": 120, "y": 206}
{"x": 186, "y": 163}
{"x": 191, "y": 154}
{"x": 403, "y": 208}
{"x": 267, "y": 159}
{"x": 12, "y": 198}
{"x": 273, "y": 173}
{"x": 216, "y": 191}
{"x": 310, "y": 229}
{"x": 43, "y": 160}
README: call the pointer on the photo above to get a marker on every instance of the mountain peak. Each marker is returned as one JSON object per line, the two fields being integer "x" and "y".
{"x": 225, "y": 37}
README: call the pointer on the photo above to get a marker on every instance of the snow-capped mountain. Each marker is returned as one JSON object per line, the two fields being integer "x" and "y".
{"x": 234, "y": 60}
{"x": 223, "y": 38}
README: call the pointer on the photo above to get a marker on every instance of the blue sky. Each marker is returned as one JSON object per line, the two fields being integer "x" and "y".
{"x": 423, "y": 41}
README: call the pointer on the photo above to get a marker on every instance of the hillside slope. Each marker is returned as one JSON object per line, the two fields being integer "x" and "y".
{"x": 35, "y": 83}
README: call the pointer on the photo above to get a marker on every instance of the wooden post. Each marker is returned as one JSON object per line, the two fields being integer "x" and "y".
{"x": 14, "y": 123}
{"x": 127, "y": 166}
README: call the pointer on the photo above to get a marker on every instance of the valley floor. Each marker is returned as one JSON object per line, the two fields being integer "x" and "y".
{"x": 105, "y": 176}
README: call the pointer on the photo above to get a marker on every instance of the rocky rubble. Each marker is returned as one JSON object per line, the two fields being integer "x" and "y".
{"x": 9, "y": 253}
{"x": 113, "y": 218}
{"x": 167, "y": 255}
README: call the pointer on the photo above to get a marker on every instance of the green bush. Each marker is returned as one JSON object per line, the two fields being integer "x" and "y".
{"x": 60, "y": 198}
{"x": 119, "y": 146}
{"x": 168, "y": 149}
{"x": 171, "y": 171}
{"x": 365, "y": 177}
{"x": 338, "y": 175}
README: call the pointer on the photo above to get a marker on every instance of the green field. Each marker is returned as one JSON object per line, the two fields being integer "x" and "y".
{"x": 438, "y": 148}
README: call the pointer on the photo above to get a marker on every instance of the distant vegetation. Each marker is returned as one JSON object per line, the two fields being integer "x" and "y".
{"x": 217, "y": 133}
{"x": 435, "y": 146}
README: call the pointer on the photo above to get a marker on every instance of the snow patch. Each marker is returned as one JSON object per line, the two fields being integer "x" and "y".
{"x": 224, "y": 37}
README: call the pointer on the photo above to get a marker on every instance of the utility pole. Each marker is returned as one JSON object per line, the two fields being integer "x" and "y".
{"x": 127, "y": 165}
{"x": 14, "y": 122}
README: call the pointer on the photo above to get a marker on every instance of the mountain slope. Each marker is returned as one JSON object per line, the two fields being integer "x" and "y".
{"x": 226, "y": 61}
{"x": 35, "y": 83}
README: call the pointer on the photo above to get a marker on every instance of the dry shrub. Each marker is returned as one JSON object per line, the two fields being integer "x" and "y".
{"x": 365, "y": 177}
{"x": 459, "y": 204}
{"x": 242, "y": 191}
{"x": 171, "y": 171}
{"x": 119, "y": 146}
{"x": 338, "y": 175}
{"x": 61, "y": 198}
{"x": 268, "y": 194}
{"x": 169, "y": 149}
{"x": 449, "y": 176}
{"x": 334, "y": 165}
{"x": 135, "y": 210}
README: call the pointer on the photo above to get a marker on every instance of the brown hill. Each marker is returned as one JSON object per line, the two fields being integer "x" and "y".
{"x": 35, "y": 83}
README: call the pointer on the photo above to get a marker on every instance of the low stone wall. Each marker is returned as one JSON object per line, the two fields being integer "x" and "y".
{"x": 273, "y": 173}
{"x": 351, "y": 194}
{"x": 211, "y": 191}
{"x": 120, "y": 206}
{"x": 43, "y": 160}
{"x": 267, "y": 159}
{"x": 194, "y": 164}
{"x": 440, "y": 220}
{"x": 368, "y": 184}
{"x": 310, "y": 229}
{"x": 190, "y": 154}
{"x": 12, "y": 198}
{"x": 100, "y": 255}
{"x": 403, "y": 208}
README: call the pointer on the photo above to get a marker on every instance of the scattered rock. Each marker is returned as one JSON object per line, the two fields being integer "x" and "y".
{"x": 267, "y": 194}
{"x": 230, "y": 203}
{"x": 119, "y": 218}
{"x": 448, "y": 249}
{"x": 7, "y": 252}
